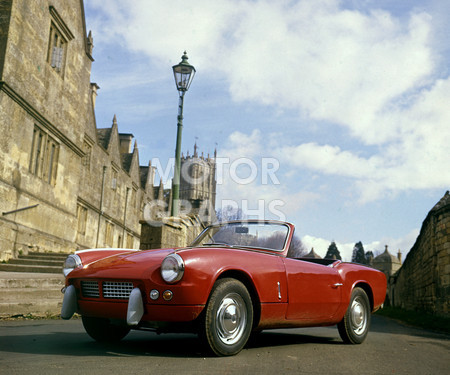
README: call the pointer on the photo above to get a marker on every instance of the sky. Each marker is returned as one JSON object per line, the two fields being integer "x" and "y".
{"x": 332, "y": 115}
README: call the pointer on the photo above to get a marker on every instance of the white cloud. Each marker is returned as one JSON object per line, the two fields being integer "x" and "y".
{"x": 416, "y": 157}
{"x": 263, "y": 195}
{"x": 404, "y": 244}
{"x": 162, "y": 30}
{"x": 330, "y": 160}
{"x": 320, "y": 246}
{"x": 240, "y": 144}
{"x": 368, "y": 73}
{"x": 335, "y": 65}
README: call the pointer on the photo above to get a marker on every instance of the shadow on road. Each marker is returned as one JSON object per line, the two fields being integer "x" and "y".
{"x": 143, "y": 344}
{"x": 69, "y": 339}
{"x": 268, "y": 339}
{"x": 384, "y": 324}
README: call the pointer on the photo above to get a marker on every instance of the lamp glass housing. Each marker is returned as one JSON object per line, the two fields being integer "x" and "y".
{"x": 183, "y": 74}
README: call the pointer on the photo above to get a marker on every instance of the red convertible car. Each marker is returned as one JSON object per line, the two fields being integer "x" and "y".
{"x": 237, "y": 278}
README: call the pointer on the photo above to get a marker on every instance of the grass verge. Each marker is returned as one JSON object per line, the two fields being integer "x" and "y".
{"x": 417, "y": 319}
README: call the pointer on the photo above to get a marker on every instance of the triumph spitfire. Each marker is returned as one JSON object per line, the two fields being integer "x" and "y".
{"x": 236, "y": 279}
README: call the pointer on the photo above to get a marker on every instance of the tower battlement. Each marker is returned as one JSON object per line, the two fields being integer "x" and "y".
{"x": 198, "y": 179}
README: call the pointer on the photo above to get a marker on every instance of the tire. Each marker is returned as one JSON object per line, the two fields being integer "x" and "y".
{"x": 102, "y": 330}
{"x": 228, "y": 319}
{"x": 354, "y": 327}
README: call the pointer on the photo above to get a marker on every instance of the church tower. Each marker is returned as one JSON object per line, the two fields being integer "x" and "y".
{"x": 198, "y": 183}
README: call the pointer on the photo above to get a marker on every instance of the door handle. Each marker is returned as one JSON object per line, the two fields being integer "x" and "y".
{"x": 337, "y": 285}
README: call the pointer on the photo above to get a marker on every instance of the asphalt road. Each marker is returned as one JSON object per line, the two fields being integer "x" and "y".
{"x": 62, "y": 347}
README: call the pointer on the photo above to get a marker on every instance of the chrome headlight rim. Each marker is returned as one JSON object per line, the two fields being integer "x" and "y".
{"x": 72, "y": 261}
{"x": 172, "y": 268}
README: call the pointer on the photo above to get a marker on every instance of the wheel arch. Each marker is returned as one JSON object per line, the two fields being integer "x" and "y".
{"x": 245, "y": 279}
{"x": 366, "y": 287}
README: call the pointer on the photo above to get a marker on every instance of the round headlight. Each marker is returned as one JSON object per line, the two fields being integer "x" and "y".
{"x": 72, "y": 261}
{"x": 172, "y": 268}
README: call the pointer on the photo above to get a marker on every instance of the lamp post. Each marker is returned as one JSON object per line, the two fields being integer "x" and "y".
{"x": 183, "y": 74}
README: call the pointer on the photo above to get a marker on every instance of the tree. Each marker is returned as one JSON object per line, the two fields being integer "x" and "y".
{"x": 229, "y": 213}
{"x": 359, "y": 255}
{"x": 369, "y": 257}
{"x": 333, "y": 252}
{"x": 296, "y": 248}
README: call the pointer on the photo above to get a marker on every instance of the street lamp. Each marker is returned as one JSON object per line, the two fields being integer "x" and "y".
{"x": 183, "y": 74}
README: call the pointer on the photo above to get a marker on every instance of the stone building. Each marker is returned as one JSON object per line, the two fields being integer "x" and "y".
{"x": 423, "y": 282}
{"x": 312, "y": 254}
{"x": 64, "y": 183}
{"x": 387, "y": 263}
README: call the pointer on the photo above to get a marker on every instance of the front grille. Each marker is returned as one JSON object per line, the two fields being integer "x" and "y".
{"x": 90, "y": 289}
{"x": 117, "y": 290}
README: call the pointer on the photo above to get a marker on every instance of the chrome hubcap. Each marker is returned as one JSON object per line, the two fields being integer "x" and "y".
{"x": 358, "y": 317}
{"x": 231, "y": 319}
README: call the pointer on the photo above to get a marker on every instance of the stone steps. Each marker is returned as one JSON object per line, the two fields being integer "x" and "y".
{"x": 45, "y": 308}
{"x": 31, "y": 285}
{"x": 29, "y": 268}
{"x": 27, "y": 293}
{"x": 36, "y": 263}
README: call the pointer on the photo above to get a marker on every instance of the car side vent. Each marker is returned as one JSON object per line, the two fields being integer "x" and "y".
{"x": 90, "y": 289}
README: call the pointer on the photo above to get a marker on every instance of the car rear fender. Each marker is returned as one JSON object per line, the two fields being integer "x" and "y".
{"x": 371, "y": 280}
{"x": 374, "y": 291}
{"x": 366, "y": 287}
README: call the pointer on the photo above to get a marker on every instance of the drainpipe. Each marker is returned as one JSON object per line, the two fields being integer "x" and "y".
{"x": 101, "y": 205}
{"x": 125, "y": 216}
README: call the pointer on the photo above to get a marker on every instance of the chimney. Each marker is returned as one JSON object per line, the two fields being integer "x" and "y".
{"x": 125, "y": 140}
{"x": 399, "y": 256}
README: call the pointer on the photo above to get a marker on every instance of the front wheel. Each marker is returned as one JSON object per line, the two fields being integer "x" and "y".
{"x": 354, "y": 327}
{"x": 228, "y": 318}
{"x": 102, "y": 330}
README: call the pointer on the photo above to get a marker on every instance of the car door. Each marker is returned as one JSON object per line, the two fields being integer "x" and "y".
{"x": 314, "y": 290}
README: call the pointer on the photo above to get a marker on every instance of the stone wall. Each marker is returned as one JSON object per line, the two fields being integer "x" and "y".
{"x": 423, "y": 282}
{"x": 66, "y": 184}
{"x": 5, "y": 16}
{"x": 170, "y": 232}
{"x": 54, "y": 195}
{"x": 42, "y": 117}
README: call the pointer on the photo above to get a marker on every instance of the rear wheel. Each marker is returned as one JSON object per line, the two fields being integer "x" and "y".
{"x": 102, "y": 330}
{"x": 354, "y": 327}
{"x": 228, "y": 318}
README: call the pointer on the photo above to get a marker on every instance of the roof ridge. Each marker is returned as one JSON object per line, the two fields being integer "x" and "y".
{"x": 444, "y": 201}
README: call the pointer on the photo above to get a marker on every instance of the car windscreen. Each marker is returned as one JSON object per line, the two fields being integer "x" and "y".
{"x": 270, "y": 236}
